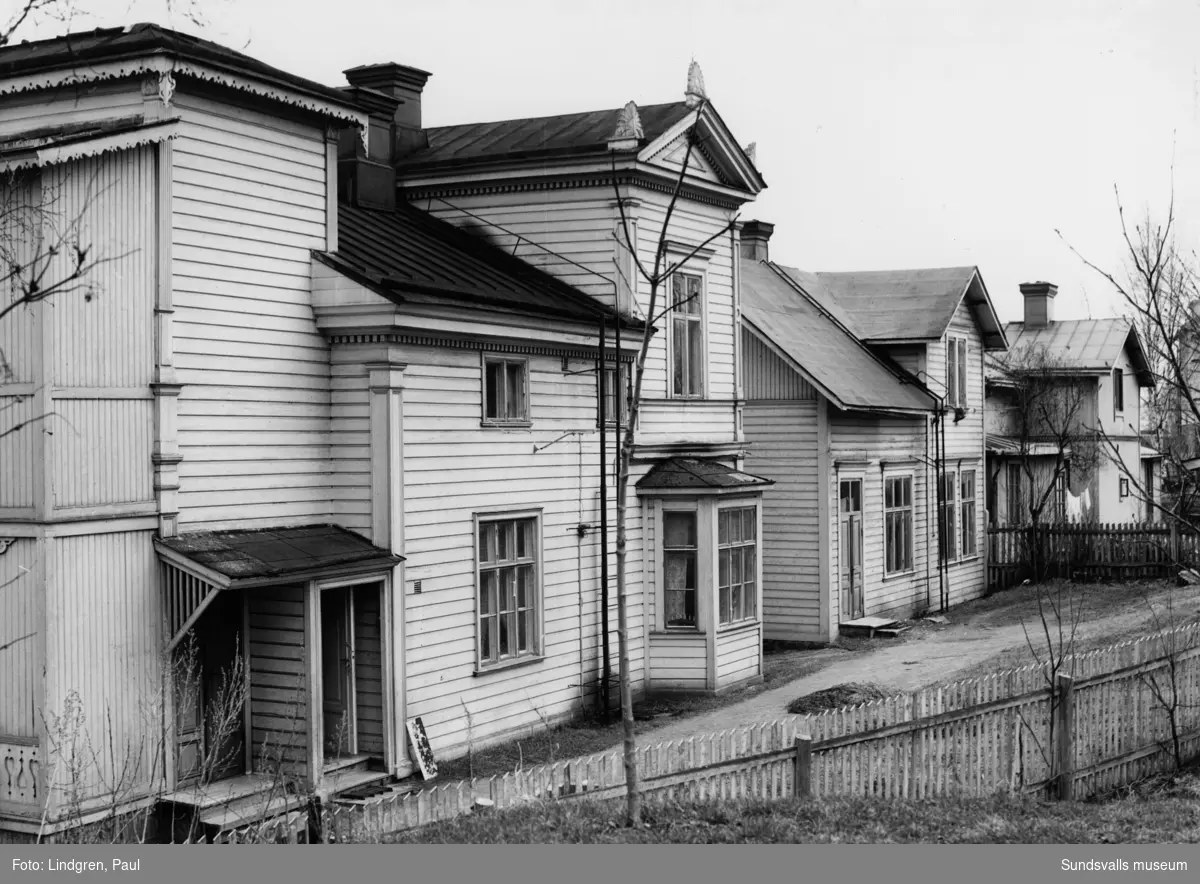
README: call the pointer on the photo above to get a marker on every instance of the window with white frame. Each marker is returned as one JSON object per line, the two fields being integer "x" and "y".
{"x": 617, "y": 394}
{"x": 505, "y": 390}
{"x": 897, "y": 524}
{"x": 509, "y": 596}
{"x": 686, "y": 335}
{"x": 1118, "y": 381}
{"x": 948, "y": 547}
{"x": 680, "y": 567}
{"x": 956, "y": 372}
{"x": 967, "y": 542}
{"x": 737, "y": 565}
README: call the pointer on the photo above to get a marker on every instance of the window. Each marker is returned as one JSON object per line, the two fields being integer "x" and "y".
{"x": 679, "y": 566}
{"x": 947, "y": 547}
{"x": 1016, "y": 515}
{"x": 956, "y": 372}
{"x": 737, "y": 552}
{"x": 1118, "y": 379}
{"x": 966, "y": 520}
{"x": 507, "y": 627}
{"x": 505, "y": 391}
{"x": 686, "y": 330}
{"x": 1060, "y": 497}
{"x": 898, "y": 524}
{"x": 611, "y": 399}
{"x": 1123, "y": 487}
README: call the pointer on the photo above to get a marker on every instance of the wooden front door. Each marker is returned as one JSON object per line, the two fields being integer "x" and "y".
{"x": 337, "y": 673}
{"x": 850, "y": 536}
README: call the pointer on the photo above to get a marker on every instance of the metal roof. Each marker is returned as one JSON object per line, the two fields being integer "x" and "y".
{"x": 908, "y": 305}
{"x": 1085, "y": 345}
{"x": 538, "y": 136}
{"x": 775, "y": 300}
{"x": 409, "y": 256}
{"x": 260, "y": 554}
{"x": 79, "y": 50}
{"x": 698, "y": 473}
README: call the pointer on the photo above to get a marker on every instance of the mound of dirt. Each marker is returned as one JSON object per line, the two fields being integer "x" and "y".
{"x": 849, "y": 694}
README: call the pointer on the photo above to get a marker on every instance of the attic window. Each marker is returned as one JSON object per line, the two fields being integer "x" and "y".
{"x": 1118, "y": 377}
{"x": 956, "y": 372}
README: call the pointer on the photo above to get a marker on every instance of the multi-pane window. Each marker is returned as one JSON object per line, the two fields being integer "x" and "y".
{"x": 1060, "y": 497}
{"x": 737, "y": 565}
{"x": 956, "y": 372}
{"x": 505, "y": 391}
{"x": 508, "y": 590}
{"x": 679, "y": 567}
{"x": 898, "y": 524}
{"x": 687, "y": 335}
{"x": 947, "y": 548}
{"x": 617, "y": 394}
{"x": 966, "y": 506}
{"x": 1016, "y": 513}
{"x": 1118, "y": 379}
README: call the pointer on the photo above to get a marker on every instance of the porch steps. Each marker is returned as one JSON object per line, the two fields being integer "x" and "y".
{"x": 248, "y": 810}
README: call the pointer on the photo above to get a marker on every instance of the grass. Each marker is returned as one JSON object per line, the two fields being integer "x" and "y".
{"x": 1001, "y": 819}
{"x": 849, "y": 694}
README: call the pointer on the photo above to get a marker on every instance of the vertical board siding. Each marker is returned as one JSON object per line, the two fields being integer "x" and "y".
{"x": 20, "y": 236}
{"x": 873, "y": 448}
{"x": 767, "y": 376}
{"x": 19, "y": 451}
{"x": 22, "y": 630}
{"x": 368, "y": 669}
{"x": 101, "y": 452}
{"x": 678, "y": 661}
{"x": 279, "y": 688}
{"x": 784, "y": 442}
{"x": 104, "y": 635}
{"x": 739, "y": 655}
{"x": 248, "y": 203}
{"x": 453, "y": 469}
{"x": 103, "y": 326}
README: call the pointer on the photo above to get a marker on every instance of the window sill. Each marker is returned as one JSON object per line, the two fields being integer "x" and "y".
{"x": 735, "y": 628}
{"x": 965, "y": 560}
{"x": 899, "y": 575}
{"x": 506, "y": 425}
{"x": 677, "y": 632}
{"x": 519, "y": 663}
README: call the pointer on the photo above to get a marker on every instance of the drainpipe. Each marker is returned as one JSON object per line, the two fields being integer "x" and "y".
{"x": 616, "y": 437}
{"x": 927, "y": 597}
{"x": 941, "y": 473}
{"x": 600, "y": 386}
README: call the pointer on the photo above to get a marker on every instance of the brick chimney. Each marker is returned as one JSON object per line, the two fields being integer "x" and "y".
{"x": 755, "y": 236}
{"x": 1039, "y": 303}
{"x": 404, "y": 84}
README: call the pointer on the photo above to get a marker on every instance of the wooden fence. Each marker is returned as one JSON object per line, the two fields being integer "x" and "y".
{"x": 972, "y": 738}
{"x": 1081, "y": 551}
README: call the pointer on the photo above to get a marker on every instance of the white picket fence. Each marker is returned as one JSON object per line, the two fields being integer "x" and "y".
{"x": 972, "y": 738}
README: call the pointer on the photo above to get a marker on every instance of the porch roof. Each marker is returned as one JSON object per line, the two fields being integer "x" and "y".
{"x": 698, "y": 474}
{"x": 232, "y": 559}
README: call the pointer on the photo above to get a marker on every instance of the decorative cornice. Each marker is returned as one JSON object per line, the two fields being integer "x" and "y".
{"x": 521, "y": 347}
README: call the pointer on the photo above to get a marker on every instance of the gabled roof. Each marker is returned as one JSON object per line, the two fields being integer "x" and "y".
{"x": 544, "y": 140}
{"x": 1089, "y": 346}
{"x": 776, "y": 302}
{"x": 896, "y": 306}
{"x": 698, "y": 473}
{"x": 84, "y": 54}
{"x": 409, "y": 256}
{"x": 262, "y": 555}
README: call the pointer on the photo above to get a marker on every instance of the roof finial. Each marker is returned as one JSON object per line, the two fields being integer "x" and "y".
{"x": 695, "y": 86}
{"x": 628, "y": 131}
{"x": 751, "y": 150}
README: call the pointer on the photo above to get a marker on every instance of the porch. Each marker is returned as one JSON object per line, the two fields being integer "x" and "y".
{"x": 281, "y": 670}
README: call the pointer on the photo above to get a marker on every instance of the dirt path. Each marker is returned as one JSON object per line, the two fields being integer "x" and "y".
{"x": 933, "y": 653}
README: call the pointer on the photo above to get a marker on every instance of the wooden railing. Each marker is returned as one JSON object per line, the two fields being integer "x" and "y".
{"x": 973, "y": 738}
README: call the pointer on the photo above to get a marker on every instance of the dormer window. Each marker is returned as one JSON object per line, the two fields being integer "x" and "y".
{"x": 686, "y": 335}
{"x": 956, "y": 372}
{"x": 1118, "y": 378}
{"x": 505, "y": 391}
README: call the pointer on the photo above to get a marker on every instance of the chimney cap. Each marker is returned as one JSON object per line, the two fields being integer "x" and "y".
{"x": 1034, "y": 289}
{"x": 761, "y": 229}
{"x": 388, "y": 73}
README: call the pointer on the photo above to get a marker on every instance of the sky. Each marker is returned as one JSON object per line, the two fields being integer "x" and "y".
{"x": 891, "y": 134}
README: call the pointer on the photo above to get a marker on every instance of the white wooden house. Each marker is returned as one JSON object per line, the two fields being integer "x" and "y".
{"x": 292, "y": 421}
{"x": 874, "y": 436}
{"x": 1103, "y": 365}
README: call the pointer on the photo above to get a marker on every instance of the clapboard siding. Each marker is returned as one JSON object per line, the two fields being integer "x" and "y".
{"x": 873, "y": 448}
{"x": 766, "y": 376}
{"x": 103, "y": 635}
{"x": 279, "y": 688}
{"x": 679, "y": 662}
{"x": 248, "y": 205}
{"x": 70, "y": 104}
{"x": 104, "y": 457}
{"x": 739, "y": 655}
{"x": 22, "y": 632}
{"x": 368, "y": 669}
{"x": 784, "y": 446}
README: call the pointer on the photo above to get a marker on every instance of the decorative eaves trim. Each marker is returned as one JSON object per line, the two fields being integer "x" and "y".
{"x": 158, "y": 64}
{"x": 518, "y": 347}
{"x": 52, "y": 154}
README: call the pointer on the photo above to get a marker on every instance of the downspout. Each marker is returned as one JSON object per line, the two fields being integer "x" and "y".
{"x": 616, "y": 448}
{"x": 943, "y": 563}
{"x": 927, "y": 598}
{"x": 601, "y": 365}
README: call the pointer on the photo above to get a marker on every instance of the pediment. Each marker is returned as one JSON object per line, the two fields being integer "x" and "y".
{"x": 718, "y": 158}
